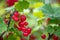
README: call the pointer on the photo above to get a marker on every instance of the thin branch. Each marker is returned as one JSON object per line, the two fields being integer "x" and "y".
{"x": 8, "y": 25}
{"x": 50, "y": 36}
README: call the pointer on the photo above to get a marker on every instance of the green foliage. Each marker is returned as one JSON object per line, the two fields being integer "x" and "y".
{"x": 57, "y": 32}
{"x": 12, "y": 37}
{"x": 21, "y": 5}
{"x": 50, "y": 11}
{"x": 2, "y": 7}
{"x": 31, "y": 20}
{"x": 35, "y": 0}
{"x": 47, "y": 9}
{"x": 15, "y": 30}
{"x": 50, "y": 29}
{"x": 3, "y": 26}
{"x": 54, "y": 21}
{"x": 34, "y": 23}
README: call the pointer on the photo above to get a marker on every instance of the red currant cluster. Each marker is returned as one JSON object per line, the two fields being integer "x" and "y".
{"x": 21, "y": 19}
{"x": 31, "y": 37}
{"x": 11, "y": 2}
{"x": 54, "y": 37}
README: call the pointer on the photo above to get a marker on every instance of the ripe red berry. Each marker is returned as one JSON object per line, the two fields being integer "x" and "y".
{"x": 21, "y": 24}
{"x": 13, "y": 16}
{"x": 11, "y": 2}
{"x": 16, "y": 14}
{"x": 43, "y": 36}
{"x": 19, "y": 28}
{"x": 29, "y": 30}
{"x": 25, "y": 34}
{"x": 23, "y": 29}
{"x": 32, "y": 37}
{"x": 16, "y": 19}
{"x": 22, "y": 17}
{"x": 26, "y": 23}
{"x": 55, "y": 37}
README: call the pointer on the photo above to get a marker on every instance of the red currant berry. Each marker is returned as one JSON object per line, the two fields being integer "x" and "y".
{"x": 21, "y": 24}
{"x": 16, "y": 14}
{"x": 23, "y": 29}
{"x": 29, "y": 30}
{"x": 26, "y": 23}
{"x": 32, "y": 37}
{"x": 43, "y": 36}
{"x": 55, "y": 37}
{"x": 25, "y": 34}
{"x": 23, "y": 18}
{"x": 16, "y": 19}
{"x": 11, "y": 2}
{"x": 19, "y": 28}
{"x": 13, "y": 16}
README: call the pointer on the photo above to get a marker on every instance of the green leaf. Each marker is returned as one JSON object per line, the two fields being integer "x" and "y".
{"x": 54, "y": 21}
{"x": 36, "y": 29}
{"x": 12, "y": 37}
{"x": 47, "y": 8}
{"x": 50, "y": 11}
{"x": 35, "y": 0}
{"x": 57, "y": 32}
{"x": 13, "y": 29}
{"x": 3, "y": 26}
{"x": 2, "y": 7}
{"x": 57, "y": 12}
{"x": 50, "y": 29}
{"x": 40, "y": 21}
{"x": 31, "y": 20}
{"x": 21, "y": 5}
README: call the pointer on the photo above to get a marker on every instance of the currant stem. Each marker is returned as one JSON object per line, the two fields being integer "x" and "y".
{"x": 8, "y": 25}
{"x": 10, "y": 20}
{"x": 49, "y": 36}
